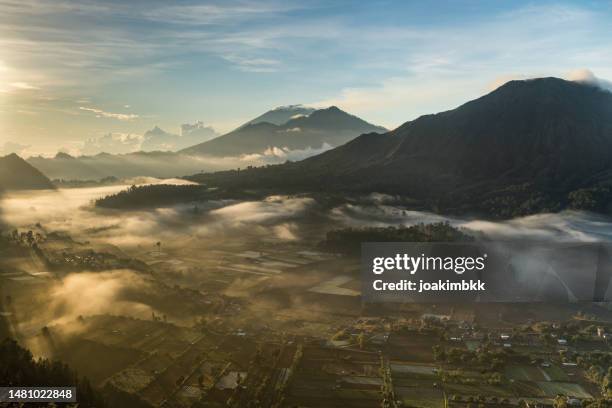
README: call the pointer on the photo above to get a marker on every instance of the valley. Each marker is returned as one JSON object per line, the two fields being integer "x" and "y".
{"x": 238, "y": 303}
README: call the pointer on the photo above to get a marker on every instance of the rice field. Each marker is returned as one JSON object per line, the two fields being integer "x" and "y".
{"x": 552, "y": 389}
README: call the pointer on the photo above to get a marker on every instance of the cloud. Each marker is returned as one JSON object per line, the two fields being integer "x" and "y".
{"x": 106, "y": 293}
{"x": 155, "y": 139}
{"x": 588, "y": 77}
{"x": 271, "y": 209}
{"x": 286, "y": 231}
{"x": 114, "y": 143}
{"x": 191, "y": 134}
{"x": 386, "y": 70}
{"x": 582, "y": 75}
{"x": 103, "y": 114}
{"x": 221, "y": 13}
{"x": 275, "y": 154}
{"x": 71, "y": 210}
{"x": 22, "y": 86}
{"x": 254, "y": 64}
{"x": 438, "y": 68}
{"x": 12, "y": 147}
{"x": 565, "y": 226}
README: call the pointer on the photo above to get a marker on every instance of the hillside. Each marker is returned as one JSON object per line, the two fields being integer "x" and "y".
{"x": 320, "y": 128}
{"x": 523, "y": 148}
{"x": 17, "y": 174}
{"x": 151, "y": 164}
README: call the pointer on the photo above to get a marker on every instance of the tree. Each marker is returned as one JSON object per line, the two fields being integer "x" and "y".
{"x": 606, "y": 386}
{"x": 19, "y": 368}
{"x": 361, "y": 340}
{"x": 560, "y": 401}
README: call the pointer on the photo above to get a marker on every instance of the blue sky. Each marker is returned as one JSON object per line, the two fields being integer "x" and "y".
{"x": 70, "y": 71}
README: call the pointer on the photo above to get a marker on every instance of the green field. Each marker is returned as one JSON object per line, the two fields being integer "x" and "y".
{"x": 526, "y": 389}
{"x": 480, "y": 389}
{"x": 555, "y": 373}
{"x": 552, "y": 389}
{"x": 525, "y": 373}
{"x": 535, "y": 373}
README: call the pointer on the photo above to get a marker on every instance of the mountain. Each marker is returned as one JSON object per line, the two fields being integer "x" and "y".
{"x": 17, "y": 174}
{"x": 320, "y": 129}
{"x": 526, "y": 147}
{"x": 151, "y": 164}
{"x": 156, "y": 158}
{"x": 281, "y": 115}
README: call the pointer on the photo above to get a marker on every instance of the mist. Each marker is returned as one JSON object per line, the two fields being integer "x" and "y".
{"x": 230, "y": 226}
{"x": 161, "y": 164}
{"x": 565, "y": 226}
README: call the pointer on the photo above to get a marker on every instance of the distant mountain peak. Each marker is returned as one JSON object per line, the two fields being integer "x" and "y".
{"x": 281, "y": 114}
{"x": 546, "y": 84}
{"x": 294, "y": 127}
{"x": 17, "y": 174}
{"x": 156, "y": 131}
{"x": 291, "y": 107}
{"x": 64, "y": 156}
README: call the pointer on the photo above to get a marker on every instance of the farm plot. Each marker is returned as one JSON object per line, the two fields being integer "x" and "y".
{"x": 411, "y": 347}
{"x": 95, "y": 360}
{"x": 476, "y": 390}
{"x": 419, "y": 393}
{"x": 552, "y": 389}
{"x": 412, "y": 370}
{"x": 334, "y": 286}
{"x": 330, "y": 377}
{"x": 308, "y": 391}
{"x": 555, "y": 373}
{"x": 526, "y": 373}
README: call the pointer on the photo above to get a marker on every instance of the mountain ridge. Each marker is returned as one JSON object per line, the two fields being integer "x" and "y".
{"x": 527, "y": 143}
{"x": 281, "y": 114}
{"x": 329, "y": 126}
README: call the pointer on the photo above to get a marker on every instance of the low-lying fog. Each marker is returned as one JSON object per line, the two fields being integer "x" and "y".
{"x": 72, "y": 210}
{"x": 287, "y": 219}
{"x": 378, "y": 210}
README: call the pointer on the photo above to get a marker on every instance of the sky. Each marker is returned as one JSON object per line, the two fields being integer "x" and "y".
{"x": 77, "y": 70}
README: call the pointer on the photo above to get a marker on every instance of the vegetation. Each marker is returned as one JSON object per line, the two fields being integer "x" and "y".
{"x": 76, "y": 183}
{"x": 153, "y": 195}
{"x": 596, "y": 199}
{"x": 348, "y": 241}
{"x": 598, "y": 366}
{"x": 19, "y": 368}
{"x": 513, "y": 201}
